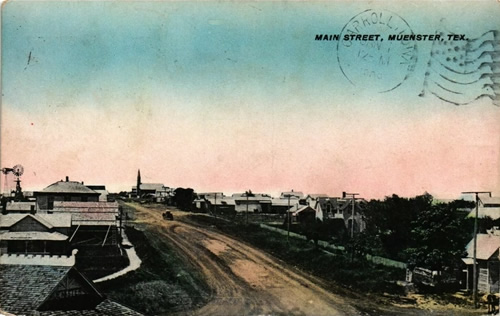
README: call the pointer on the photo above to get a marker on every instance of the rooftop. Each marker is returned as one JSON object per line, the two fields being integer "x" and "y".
{"x": 295, "y": 210}
{"x": 67, "y": 187}
{"x": 48, "y": 220}
{"x": 72, "y": 207}
{"x": 152, "y": 186}
{"x": 94, "y": 219}
{"x": 492, "y": 212}
{"x": 221, "y": 201}
{"x": 292, "y": 194}
{"x": 39, "y": 283}
{"x": 487, "y": 245}
{"x": 314, "y": 196}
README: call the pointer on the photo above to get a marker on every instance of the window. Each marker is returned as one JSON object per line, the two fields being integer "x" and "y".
{"x": 50, "y": 202}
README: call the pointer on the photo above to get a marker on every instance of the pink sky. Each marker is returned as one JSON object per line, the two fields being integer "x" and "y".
{"x": 443, "y": 152}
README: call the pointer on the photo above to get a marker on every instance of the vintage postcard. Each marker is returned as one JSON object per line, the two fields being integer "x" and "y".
{"x": 250, "y": 158}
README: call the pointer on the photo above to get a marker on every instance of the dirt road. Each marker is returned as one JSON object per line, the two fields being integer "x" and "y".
{"x": 244, "y": 280}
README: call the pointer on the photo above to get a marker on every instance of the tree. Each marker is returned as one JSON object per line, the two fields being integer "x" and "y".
{"x": 389, "y": 223}
{"x": 184, "y": 198}
{"x": 439, "y": 236}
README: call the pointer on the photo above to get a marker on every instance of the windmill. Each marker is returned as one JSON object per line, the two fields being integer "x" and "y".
{"x": 18, "y": 171}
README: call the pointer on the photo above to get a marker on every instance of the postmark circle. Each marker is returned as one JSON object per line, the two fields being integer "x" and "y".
{"x": 380, "y": 65}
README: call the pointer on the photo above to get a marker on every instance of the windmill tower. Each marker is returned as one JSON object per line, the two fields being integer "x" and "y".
{"x": 18, "y": 171}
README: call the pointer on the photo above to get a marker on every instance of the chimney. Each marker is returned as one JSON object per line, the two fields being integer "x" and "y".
{"x": 67, "y": 178}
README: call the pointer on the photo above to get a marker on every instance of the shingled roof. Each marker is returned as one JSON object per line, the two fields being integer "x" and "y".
{"x": 80, "y": 207}
{"x": 37, "y": 285}
{"x": 107, "y": 307}
{"x": 47, "y": 220}
{"x": 67, "y": 187}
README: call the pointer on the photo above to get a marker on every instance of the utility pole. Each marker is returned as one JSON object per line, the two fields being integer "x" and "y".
{"x": 288, "y": 219}
{"x": 215, "y": 206}
{"x": 474, "y": 267}
{"x": 246, "y": 193}
{"x": 353, "y": 195}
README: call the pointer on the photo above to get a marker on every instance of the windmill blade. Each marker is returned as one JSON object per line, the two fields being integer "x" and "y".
{"x": 18, "y": 170}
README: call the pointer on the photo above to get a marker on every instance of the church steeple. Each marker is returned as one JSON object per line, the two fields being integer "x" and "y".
{"x": 138, "y": 183}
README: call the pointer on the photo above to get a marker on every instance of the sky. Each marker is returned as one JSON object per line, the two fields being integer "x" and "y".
{"x": 223, "y": 96}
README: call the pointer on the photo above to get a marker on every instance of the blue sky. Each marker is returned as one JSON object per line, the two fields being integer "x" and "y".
{"x": 236, "y": 84}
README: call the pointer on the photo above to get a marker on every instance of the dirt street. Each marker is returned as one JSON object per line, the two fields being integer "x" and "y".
{"x": 244, "y": 280}
{"x": 247, "y": 281}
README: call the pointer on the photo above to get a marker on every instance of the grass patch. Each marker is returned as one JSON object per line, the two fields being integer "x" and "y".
{"x": 163, "y": 284}
{"x": 350, "y": 272}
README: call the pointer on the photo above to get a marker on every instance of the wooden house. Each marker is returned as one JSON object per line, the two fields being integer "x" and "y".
{"x": 64, "y": 191}
{"x": 487, "y": 262}
{"x": 253, "y": 202}
{"x": 35, "y": 234}
{"x": 329, "y": 208}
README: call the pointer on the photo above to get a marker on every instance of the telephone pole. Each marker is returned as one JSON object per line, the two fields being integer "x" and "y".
{"x": 353, "y": 195}
{"x": 288, "y": 219}
{"x": 215, "y": 206}
{"x": 474, "y": 267}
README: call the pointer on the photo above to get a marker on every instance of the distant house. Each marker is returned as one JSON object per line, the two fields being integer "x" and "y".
{"x": 151, "y": 188}
{"x": 302, "y": 213}
{"x": 222, "y": 204}
{"x": 200, "y": 205}
{"x": 489, "y": 207}
{"x": 311, "y": 199}
{"x": 339, "y": 208}
{"x": 292, "y": 194}
{"x": 155, "y": 191}
{"x": 487, "y": 261}
{"x": 38, "y": 234}
{"x": 164, "y": 194}
{"x": 330, "y": 207}
{"x": 52, "y": 290}
{"x": 253, "y": 202}
{"x": 280, "y": 206}
{"x": 64, "y": 191}
{"x": 201, "y": 202}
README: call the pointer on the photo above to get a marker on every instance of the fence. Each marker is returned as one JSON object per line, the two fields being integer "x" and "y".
{"x": 375, "y": 259}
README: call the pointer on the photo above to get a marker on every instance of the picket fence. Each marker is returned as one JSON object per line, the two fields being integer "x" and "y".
{"x": 327, "y": 246}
